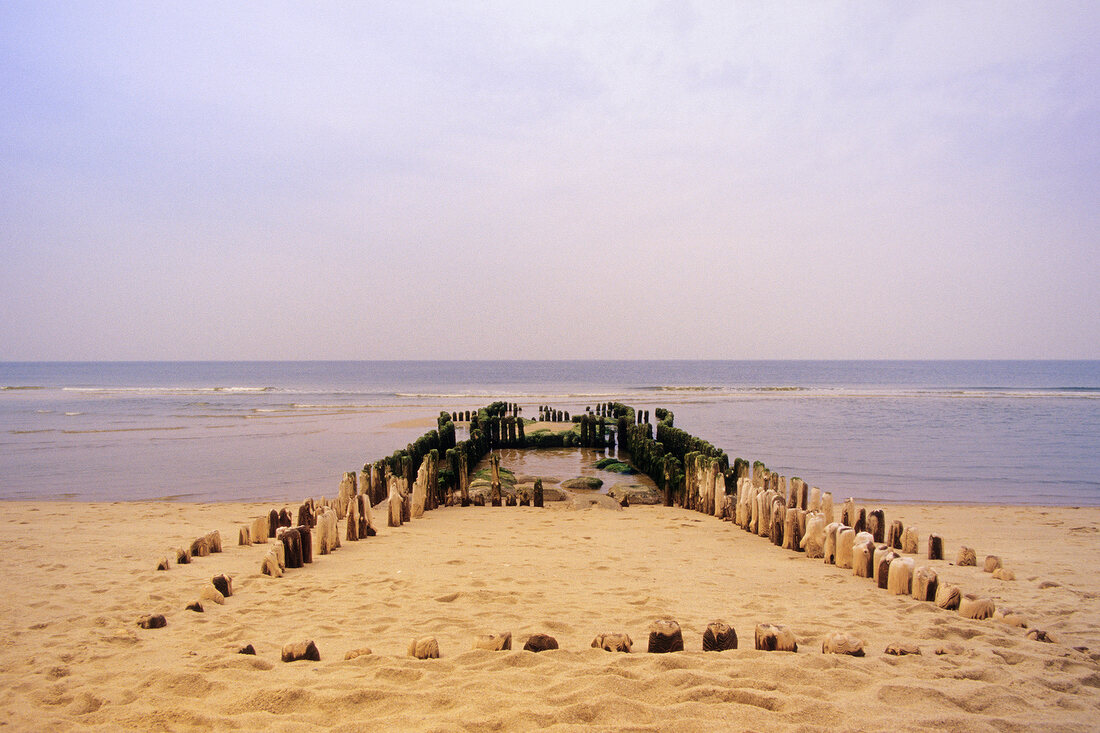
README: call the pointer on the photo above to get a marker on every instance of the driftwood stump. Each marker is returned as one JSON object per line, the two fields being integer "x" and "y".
{"x": 839, "y": 642}
{"x": 860, "y": 522}
{"x": 224, "y": 584}
{"x": 424, "y": 647}
{"x": 259, "y": 530}
{"x": 665, "y": 636}
{"x": 971, "y": 606}
{"x": 301, "y": 650}
{"x": 306, "y": 535}
{"x": 910, "y": 541}
{"x": 774, "y": 638}
{"x": 828, "y": 552}
{"x": 792, "y": 530}
{"x": 351, "y": 530}
{"x": 845, "y": 541}
{"x": 948, "y": 596}
{"x": 292, "y": 544}
{"x": 540, "y": 643}
{"x": 305, "y": 515}
{"x": 893, "y": 536}
{"x": 200, "y": 548}
{"x": 899, "y": 579}
{"x": 925, "y": 583}
{"x": 718, "y": 637}
{"x": 881, "y": 567}
{"x": 613, "y": 642}
{"x": 814, "y": 539}
{"x": 876, "y": 525}
{"x": 863, "y": 556}
{"x": 156, "y": 621}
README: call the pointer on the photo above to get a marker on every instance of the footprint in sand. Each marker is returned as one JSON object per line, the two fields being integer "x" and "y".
{"x": 448, "y": 597}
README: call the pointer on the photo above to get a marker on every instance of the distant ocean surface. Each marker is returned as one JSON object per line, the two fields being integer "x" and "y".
{"x": 919, "y": 431}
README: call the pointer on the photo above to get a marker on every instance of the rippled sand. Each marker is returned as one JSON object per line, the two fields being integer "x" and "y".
{"x": 76, "y": 577}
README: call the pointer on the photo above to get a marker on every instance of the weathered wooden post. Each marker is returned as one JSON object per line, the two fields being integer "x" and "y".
{"x": 352, "y": 530}
{"x": 876, "y": 525}
{"x": 420, "y": 491}
{"x": 377, "y": 483}
{"x": 668, "y": 479}
{"x": 433, "y": 479}
{"x": 407, "y": 471}
{"x": 893, "y": 534}
{"x": 538, "y": 492}
{"x": 494, "y": 489}
{"x": 343, "y": 496}
{"x": 463, "y": 479}
{"x": 794, "y": 492}
{"x": 396, "y": 502}
{"x": 366, "y": 520}
{"x": 935, "y": 547}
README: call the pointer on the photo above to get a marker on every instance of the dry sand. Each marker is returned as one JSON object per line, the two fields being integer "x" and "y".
{"x": 76, "y": 577}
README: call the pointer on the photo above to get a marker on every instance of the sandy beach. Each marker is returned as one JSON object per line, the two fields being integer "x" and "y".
{"x": 78, "y": 576}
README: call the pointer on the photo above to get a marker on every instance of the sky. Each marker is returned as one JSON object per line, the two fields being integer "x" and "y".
{"x": 502, "y": 180}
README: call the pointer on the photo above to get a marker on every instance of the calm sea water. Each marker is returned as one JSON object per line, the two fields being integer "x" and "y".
{"x": 1017, "y": 432}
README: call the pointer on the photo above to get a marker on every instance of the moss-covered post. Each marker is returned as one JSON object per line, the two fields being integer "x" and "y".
{"x": 463, "y": 479}
{"x": 433, "y": 479}
{"x": 494, "y": 489}
{"x": 538, "y": 492}
{"x": 667, "y": 476}
{"x": 370, "y": 479}
{"x": 409, "y": 479}
{"x": 521, "y": 436}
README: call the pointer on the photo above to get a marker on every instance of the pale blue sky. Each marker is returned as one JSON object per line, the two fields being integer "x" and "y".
{"x": 490, "y": 180}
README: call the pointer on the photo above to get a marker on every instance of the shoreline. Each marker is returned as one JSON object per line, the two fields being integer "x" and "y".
{"x": 869, "y": 503}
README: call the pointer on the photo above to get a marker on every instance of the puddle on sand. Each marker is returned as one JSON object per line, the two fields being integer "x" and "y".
{"x": 563, "y": 464}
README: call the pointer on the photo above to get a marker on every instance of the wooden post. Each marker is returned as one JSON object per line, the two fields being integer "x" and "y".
{"x": 352, "y": 531}
{"x": 665, "y": 636}
{"x": 935, "y": 547}
{"x": 893, "y": 537}
{"x": 407, "y": 488}
{"x": 876, "y": 525}
{"x": 396, "y": 502}
{"x": 377, "y": 483}
{"x": 463, "y": 479}
{"x": 494, "y": 490}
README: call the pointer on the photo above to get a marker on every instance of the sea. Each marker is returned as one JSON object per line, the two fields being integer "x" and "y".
{"x": 1015, "y": 432}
